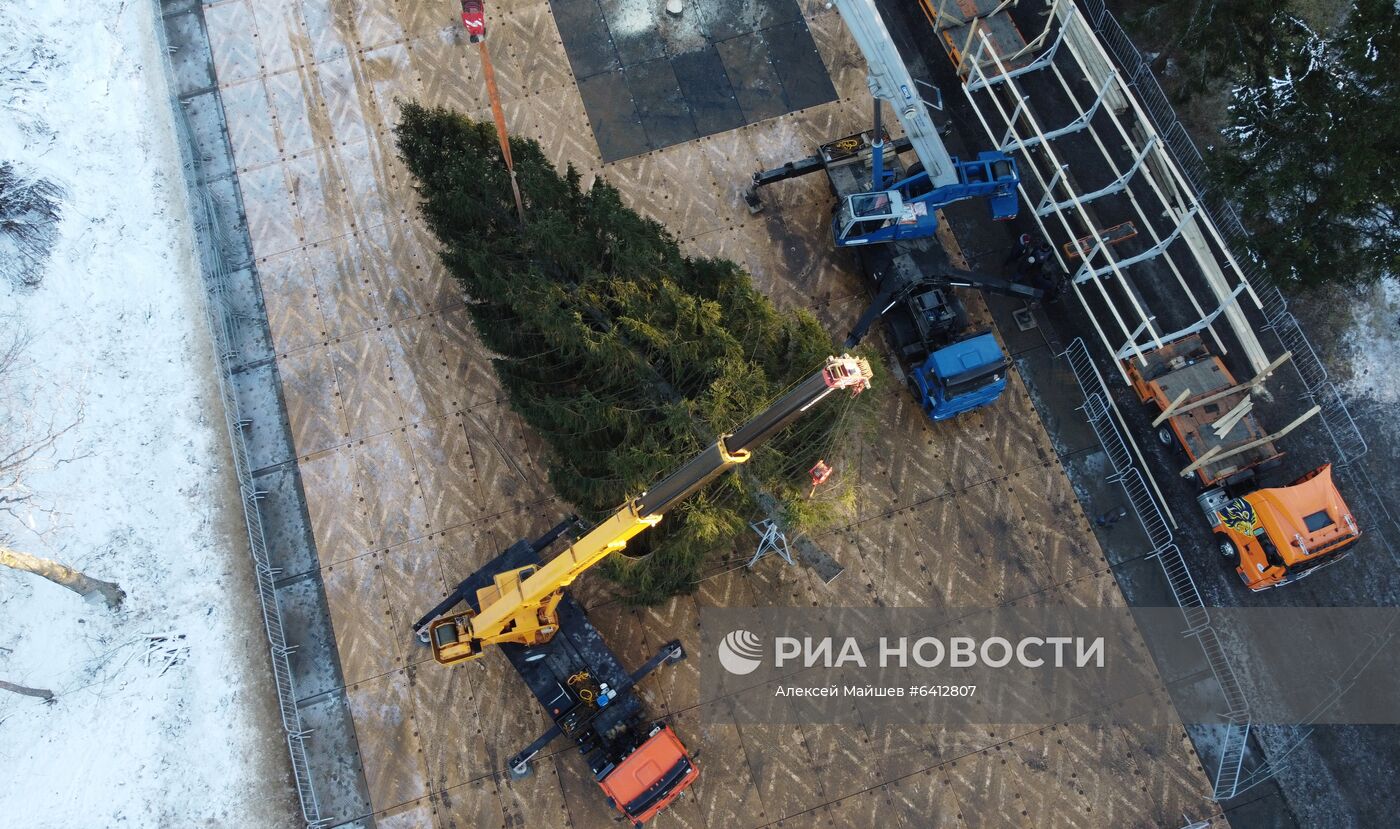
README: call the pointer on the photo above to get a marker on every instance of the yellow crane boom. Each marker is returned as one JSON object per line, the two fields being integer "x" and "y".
{"x": 519, "y": 605}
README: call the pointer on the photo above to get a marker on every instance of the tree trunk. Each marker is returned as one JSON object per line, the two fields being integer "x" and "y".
{"x": 45, "y": 695}
{"x": 64, "y": 575}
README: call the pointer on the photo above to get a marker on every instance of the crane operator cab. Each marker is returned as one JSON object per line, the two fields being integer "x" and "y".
{"x": 883, "y": 216}
{"x": 908, "y": 209}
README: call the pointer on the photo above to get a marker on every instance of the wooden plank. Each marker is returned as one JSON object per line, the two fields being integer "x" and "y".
{"x": 1214, "y": 456}
{"x": 1201, "y": 461}
{"x": 1252, "y": 384}
{"x": 1171, "y": 409}
{"x": 1223, "y": 426}
{"x": 1112, "y": 236}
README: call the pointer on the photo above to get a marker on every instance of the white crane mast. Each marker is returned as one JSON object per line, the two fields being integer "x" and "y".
{"x": 889, "y": 80}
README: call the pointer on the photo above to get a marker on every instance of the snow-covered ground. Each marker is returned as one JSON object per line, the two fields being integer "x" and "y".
{"x": 1372, "y": 343}
{"x": 164, "y": 713}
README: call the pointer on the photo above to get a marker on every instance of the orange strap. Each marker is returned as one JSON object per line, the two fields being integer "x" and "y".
{"x": 499, "y": 114}
{"x": 490, "y": 73}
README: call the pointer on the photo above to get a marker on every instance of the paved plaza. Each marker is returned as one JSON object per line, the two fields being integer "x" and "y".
{"x": 415, "y": 470}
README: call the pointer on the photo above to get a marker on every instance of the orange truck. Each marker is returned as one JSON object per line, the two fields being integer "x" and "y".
{"x": 1283, "y": 534}
{"x": 639, "y": 763}
{"x": 1277, "y": 535}
{"x": 962, "y": 23}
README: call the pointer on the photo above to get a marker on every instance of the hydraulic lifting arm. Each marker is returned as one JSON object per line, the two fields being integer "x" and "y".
{"x": 889, "y": 80}
{"x": 880, "y": 201}
{"x": 950, "y": 278}
{"x": 519, "y": 606}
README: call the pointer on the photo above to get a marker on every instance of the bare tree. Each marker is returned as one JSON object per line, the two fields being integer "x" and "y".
{"x": 42, "y": 693}
{"x": 27, "y": 443}
{"x": 61, "y": 574}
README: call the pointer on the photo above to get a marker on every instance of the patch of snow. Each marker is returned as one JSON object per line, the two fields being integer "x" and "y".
{"x": 634, "y": 17}
{"x": 1372, "y": 344}
{"x": 164, "y": 714}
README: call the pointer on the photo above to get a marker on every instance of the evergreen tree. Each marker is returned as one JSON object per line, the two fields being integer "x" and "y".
{"x": 626, "y": 356}
{"x": 1205, "y": 39}
{"x": 1314, "y": 161}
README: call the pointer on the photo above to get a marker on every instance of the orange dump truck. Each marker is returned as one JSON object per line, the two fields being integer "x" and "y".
{"x": 961, "y": 24}
{"x": 1278, "y": 535}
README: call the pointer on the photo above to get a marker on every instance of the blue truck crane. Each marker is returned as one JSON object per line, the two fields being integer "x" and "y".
{"x": 949, "y": 367}
{"x": 887, "y": 213}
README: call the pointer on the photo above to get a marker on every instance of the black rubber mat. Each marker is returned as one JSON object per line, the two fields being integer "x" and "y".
{"x": 650, "y": 79}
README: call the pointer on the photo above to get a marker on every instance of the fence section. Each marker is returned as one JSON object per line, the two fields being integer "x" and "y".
{"x": 1127, "y": 473}
{"x": 223, "y": 321}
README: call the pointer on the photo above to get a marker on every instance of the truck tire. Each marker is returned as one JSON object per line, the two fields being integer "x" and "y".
{"x": 1227, "y": 549}
{"x": 914, "y": 169}
{"x": 914, "y": 390}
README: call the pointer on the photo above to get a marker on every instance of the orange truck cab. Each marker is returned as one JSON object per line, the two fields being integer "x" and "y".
{"x": 1283, "y": 534}
{"x": 651, "y": 777}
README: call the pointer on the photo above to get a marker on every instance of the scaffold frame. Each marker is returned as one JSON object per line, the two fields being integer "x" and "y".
{"x": 1190, "y": 242}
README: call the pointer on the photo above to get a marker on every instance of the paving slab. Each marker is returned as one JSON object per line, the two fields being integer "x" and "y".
{"x": 755, "y": 79}
{"x": 286, "y": 525}
{"x": 256, "y": 388}
{"x": 650, "y": 79}
{"x": 314, "y": 661}
{"x": 617, "y": 126}
{"x": 341, "y": 789}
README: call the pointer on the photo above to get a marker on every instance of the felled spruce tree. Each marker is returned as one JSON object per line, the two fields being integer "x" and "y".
{"x": 626, "y": 356}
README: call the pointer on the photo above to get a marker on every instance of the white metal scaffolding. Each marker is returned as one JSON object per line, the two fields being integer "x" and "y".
{"x": 1108, "y": 124}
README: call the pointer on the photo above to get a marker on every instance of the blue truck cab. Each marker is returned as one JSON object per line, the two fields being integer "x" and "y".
{"x": 960, "y": 377}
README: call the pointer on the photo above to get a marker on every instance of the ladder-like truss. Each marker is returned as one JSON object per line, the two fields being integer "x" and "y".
{"x": 1100, "y": 165}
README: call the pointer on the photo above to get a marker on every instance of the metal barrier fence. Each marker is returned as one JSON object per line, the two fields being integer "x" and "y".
{"x": 1127, "y": 473}
{"x": 1137, "y": 72}
{"x": 223, "y": 324}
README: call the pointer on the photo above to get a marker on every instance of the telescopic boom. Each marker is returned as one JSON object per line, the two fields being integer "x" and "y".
{"x": 520, "y": 604}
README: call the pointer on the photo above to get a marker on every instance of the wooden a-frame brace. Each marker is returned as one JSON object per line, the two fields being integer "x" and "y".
{"x": 1177, "y": 406}
{"x": 1216, "y": 455}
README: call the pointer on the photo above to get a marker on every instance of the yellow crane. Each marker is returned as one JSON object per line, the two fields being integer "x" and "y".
{"x": 519, "y": 605}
